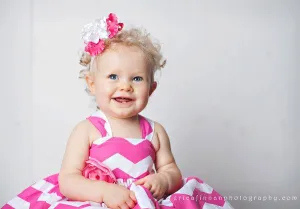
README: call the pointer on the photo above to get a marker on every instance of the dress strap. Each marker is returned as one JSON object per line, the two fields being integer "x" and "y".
{"x": 99, "y": 120}
{"x": 99, "y": 124}
{"x": 147, "y": 127}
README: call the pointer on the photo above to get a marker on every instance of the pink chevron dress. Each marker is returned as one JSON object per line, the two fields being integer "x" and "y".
{"x": 129, "y": 159}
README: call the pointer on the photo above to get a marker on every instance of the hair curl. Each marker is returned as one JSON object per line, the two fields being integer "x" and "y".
{"x": 133, "y": 37}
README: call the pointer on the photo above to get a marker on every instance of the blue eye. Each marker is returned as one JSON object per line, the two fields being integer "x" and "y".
{"x": 113, "y": 76}
{"x": 138, "y": 78}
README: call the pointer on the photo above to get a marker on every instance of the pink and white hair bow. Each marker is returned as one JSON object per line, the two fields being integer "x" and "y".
{"x": 94, "y": 33}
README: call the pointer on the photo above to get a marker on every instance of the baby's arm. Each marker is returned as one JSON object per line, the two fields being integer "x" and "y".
{"x": 165, "y": 162}
{"x": 71, "y": 182}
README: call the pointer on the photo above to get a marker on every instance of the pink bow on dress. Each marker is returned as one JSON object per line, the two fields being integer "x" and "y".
{"x": 96, "y": 170}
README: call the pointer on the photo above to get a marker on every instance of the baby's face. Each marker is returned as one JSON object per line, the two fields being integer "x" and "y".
{"x": 122, "y": 82}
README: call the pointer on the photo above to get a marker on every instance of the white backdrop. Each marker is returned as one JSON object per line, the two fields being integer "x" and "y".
{"x": 227, "y": 97}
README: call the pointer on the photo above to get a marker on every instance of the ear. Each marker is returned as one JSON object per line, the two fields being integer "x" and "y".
{"x": 90, "y": 81}
{"x": 152, "y": 87}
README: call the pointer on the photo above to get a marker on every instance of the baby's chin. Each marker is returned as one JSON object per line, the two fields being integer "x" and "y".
{"x": 122, "y": 113}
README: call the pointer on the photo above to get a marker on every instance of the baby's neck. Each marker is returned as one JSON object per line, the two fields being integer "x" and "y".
{"x": 124, "y": 121}
{"x": 125, "y": 127}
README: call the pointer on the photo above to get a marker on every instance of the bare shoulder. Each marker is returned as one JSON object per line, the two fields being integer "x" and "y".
{"x": 160, "y": 136}
{"x": 159, "y": 129}
{"x": 80, "y": 129}
{"x": 82, "y": 125}
{"x": 86, "y": 130}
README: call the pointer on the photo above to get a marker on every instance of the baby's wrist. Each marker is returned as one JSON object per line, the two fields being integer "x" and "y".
{"x": 165, "y": 178}
{"x": 102, "y": 188}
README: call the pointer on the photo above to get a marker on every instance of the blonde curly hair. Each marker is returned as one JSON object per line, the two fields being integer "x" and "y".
{"x": 133, "y": 37}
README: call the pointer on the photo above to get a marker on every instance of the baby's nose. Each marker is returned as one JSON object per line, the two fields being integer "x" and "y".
{"x": 126, "y": 86}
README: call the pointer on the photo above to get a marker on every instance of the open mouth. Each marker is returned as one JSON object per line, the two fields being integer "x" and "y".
{"x": 122, "y": 99}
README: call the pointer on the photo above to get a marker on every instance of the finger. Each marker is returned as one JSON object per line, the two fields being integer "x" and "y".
{"x": 158, "y": 197}
{"x": 132, "y": 196}
{"x": 140, "y": 181}
{"x": 124, "y": 206}
{"x": 161, "y": 195}
{"x": 153, "y": 189}
{"x": 130, "y": 203}
{"x": 148, "y": 186}
{"x": 156, "y": 193}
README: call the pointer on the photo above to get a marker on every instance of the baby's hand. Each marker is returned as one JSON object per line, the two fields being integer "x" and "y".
{"x": 119, "y": 197}
{"x": 156, "y": 183}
